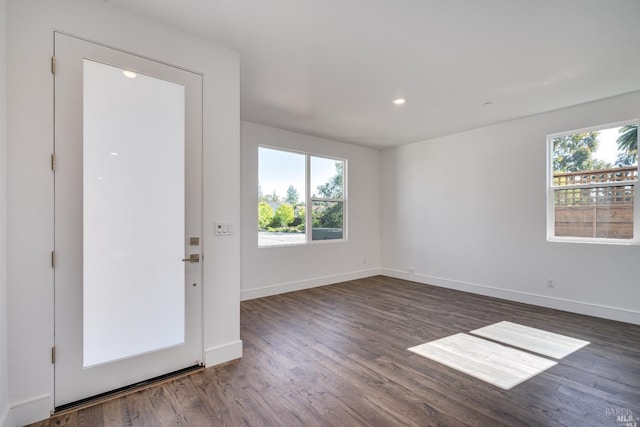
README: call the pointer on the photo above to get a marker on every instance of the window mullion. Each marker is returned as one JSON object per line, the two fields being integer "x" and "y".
{"x": 321, "y": 199}
{"x": 308, "y": 202}
{"x": 595, "y": 185}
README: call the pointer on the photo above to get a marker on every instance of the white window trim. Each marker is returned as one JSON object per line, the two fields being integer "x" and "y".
{"x": 551, "y": 237}
{"x": 309, "y": 200}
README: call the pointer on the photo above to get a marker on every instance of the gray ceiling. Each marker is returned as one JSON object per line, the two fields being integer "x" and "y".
{"x": 331, "y": 68}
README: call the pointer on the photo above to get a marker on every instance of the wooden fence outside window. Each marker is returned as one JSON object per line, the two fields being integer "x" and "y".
{"x": 590, "y": 204}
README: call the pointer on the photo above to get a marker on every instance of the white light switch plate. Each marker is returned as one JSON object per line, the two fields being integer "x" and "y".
{"x": 223, "y": 229}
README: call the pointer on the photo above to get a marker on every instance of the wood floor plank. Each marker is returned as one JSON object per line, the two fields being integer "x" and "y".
{"x": 116, "y": 413}
{"x": 337, "y": 356}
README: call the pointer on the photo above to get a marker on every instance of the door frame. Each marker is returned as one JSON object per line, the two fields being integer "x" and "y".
{"x": 200, "y": 176}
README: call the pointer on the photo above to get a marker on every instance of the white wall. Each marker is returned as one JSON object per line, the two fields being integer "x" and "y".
{"x": 467, "y": 211}
{"x": 30, "y": 182}
{"x": 269, "y": 271}
{"x": 4, "y": 391}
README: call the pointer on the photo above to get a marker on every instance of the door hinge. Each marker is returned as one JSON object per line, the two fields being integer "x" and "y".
{"x": 53, "y": 65}
{"x": 53, "y": 259}
{"x": 53, "y": 162}
{"x": 53, "y": 355}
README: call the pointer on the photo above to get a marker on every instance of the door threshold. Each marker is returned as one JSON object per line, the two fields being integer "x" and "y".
{"x": 123, "y": 391}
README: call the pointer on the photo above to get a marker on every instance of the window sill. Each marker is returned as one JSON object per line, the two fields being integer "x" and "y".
{"x": 591, "y": 241}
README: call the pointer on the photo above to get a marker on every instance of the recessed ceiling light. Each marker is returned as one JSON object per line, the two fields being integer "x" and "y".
{"x": 113, "y": 153}
{"x": 399, "y": 101}
{"x": 129, "y": 74}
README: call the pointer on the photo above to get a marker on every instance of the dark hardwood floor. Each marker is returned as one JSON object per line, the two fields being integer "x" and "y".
{"x": 337, "y": 356}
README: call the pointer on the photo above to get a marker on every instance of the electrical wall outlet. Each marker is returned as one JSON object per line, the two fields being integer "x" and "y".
{"x": 551, "y": 283}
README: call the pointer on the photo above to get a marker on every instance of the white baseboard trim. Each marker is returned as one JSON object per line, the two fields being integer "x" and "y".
{"x": 31, "y": 410}
{"x": 282, "y": 288}
{"x": 223, "y": 353}
{"x": 579, "y": 307}
{"x": 5, "y": 421}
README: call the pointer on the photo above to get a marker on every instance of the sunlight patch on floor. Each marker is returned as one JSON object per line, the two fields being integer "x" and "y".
{"x": 497, "y": 364}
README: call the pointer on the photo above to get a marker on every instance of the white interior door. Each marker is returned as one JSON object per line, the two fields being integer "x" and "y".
{"x": 128, "y": 190}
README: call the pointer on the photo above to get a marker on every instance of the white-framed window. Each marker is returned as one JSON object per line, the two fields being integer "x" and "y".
{"x": 591, "y": 185}
{"x": 301, "y": 198}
